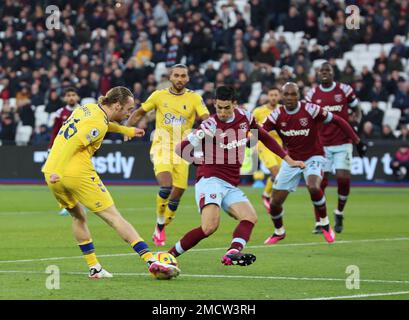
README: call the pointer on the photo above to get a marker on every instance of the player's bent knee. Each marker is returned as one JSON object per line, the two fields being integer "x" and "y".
{"x": 314, "y": 189}
{"x": 209, "y": 229}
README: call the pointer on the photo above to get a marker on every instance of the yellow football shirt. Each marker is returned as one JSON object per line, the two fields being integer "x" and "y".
{"x": 260, "y": 114}
{"x": 78, "y": 139}
{"x": 175, "y": 115}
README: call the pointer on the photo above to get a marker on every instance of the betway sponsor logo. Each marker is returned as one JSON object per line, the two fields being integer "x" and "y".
{"x": 295, "y": 133}
{"x": 333, "y": 108}
{"x": 233, "y": 144}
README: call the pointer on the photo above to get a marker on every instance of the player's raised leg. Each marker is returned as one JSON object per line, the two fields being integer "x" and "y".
{"x": 245, "y": 213}
{"x": 128, "y": 233}
{"x": 83, "y": 237}
{"x": 276, "y": 211}
{"x": 209, "y": 223}
{"x": 319, "y": 202}
{"x": 165, "y": 182}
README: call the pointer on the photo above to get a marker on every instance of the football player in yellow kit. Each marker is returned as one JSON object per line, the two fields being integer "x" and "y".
{"x": 176, "y": 110}
{"x": 71, "y": 177}
{"x": 271, "y": 161}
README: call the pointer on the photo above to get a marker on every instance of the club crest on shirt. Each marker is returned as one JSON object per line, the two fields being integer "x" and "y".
{"x": 243, "y": 126}
{"x": 213, "y": 196}
{"x": 318, "y": 101}
{"x": 338, "y": 97}
{"x": 283, "y": 124}
{"x": 304, "y": 122}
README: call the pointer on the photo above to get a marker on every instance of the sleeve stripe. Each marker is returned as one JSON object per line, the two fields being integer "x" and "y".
{"x": 329, "y": 117}
{"x": 269, "y": 117}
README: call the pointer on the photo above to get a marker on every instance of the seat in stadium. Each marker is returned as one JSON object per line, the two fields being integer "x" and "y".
{"x": 365, "y": 106}
{"x": 383, "y": 105}
{"x": 360, "y": 47}
{"x": 387, "y": 48}
{"x": 13, "y": 103}
{"x": 392, "y": 117}
{"x": 159, "y": 70}
{"x": 375, "y": 47}
{"x": 23, "y": 134}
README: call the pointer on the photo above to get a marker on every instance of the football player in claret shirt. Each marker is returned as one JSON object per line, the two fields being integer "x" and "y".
{"x": 71, "y": 98}
{"x": 337, "y": 98}
{"x": 298, "y": 124}
{"x": 222, "y": 140}
{"x": 176, "y": 110}
{"x": 72, "y": 179}
{"x": 271, "y": 161}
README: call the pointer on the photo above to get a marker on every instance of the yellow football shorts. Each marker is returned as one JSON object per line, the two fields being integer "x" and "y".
{"x": 268, "y": 158}
{"x": 89, "y": 191}
{"x": 179, "y": 168}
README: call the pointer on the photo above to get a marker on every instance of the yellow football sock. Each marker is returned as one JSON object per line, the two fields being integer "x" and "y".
{"x": 161, "y": 205}
{"x": 269, "y": 187}
{"x": 87, "y": 248}
{"x": 142, "y": 249}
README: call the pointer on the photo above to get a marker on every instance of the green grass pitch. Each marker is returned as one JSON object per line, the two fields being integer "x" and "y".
{"x": 303, "y": 266}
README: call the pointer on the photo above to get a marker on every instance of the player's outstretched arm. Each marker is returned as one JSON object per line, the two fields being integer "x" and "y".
{"x": 129, "y": 132}
{"x": 135, "y": 117}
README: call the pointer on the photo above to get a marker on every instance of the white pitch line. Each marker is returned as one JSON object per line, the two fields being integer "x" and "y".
{"x": 17, "y": 213}
{"x": 362, "y": 295}
{"x": 216, "y": 249}
{"x": 223, "y": 276}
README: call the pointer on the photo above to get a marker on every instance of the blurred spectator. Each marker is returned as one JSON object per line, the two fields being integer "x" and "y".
{"x": 394, "y": 63}
{"x": 387, "y": 133}
{"x": 8, "y": 127}
{"x": 404, "y": 133}
{"x": 54, "y": 102}
{"x": 25, "y": 112}
{"x": 378, "y": 93}
{"x": 402, "y": 100}
{"x": 41, "y": 135}
{"x": 375, "y": 117}
{"x": 400, "y": 164}
{"x": 368, "y": 132}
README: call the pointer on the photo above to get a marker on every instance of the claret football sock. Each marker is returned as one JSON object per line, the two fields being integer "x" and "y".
{"x": 277, "y": 216}
{"x": 141, "y": 247}
{"x": 188, "y": 241}
{"x": 343, "y": 192}
{"x": 88, "y": 250}
{"x": 241, "y": 235}
{"x": 320, "y": 207}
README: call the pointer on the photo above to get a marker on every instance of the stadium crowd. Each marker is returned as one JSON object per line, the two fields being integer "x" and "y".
{"x": 102, "y": 44}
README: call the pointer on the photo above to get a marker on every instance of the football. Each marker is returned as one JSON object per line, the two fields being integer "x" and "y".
{"x": 167, "y": 258}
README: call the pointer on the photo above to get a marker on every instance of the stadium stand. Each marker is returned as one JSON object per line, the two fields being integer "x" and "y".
{"x": 101, "y": 44}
